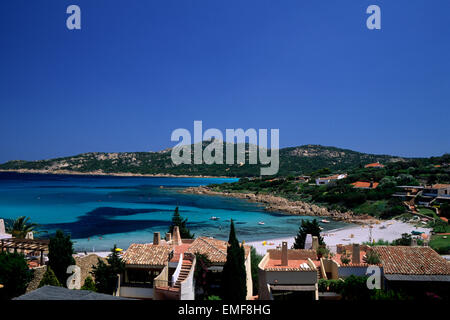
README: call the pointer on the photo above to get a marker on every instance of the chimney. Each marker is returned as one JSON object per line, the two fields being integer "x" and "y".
{"x": 2, "y": 226}
{"x": 168, "y": 237}
{"x": 176, "y": 236}
{"x": 284, "y": 254}
{"x": 355, "y": 254}
{"x": 339, "y": 248}
{"x": 308, "y": 241}
{"x": 413, "y": 242}
{"x": 315, "y": 243}
{"x": 156, "y": 239}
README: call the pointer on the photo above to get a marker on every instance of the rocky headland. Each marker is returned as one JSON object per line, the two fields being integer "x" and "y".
{"x": 275, "y": 203}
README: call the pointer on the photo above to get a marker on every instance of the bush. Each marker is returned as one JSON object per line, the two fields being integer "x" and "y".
{"x": 355, "y": 288}
{"x": 336, "y": 285}
{"x": 49, "y": 279}
{"x": 323, "y": 285}
{"x": 14, "y": 275}
{"x": 372, "y": 257}
{"x": 345, "y": 259}
{"x": 89, "y": 284}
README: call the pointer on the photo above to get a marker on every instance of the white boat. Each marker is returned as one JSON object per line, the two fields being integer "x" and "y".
{"x": 261, "y": 222}
{"x": 324, "y": 221}
{"x": 214, "y": 218}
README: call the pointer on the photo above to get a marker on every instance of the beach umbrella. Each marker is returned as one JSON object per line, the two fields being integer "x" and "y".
{"x": 424, "y": 235}
{"x": 118, "y": 249}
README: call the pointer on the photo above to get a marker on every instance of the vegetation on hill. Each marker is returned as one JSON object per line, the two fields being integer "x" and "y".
{"x": 341, "y": 194}
{"x": 293, "y": 161}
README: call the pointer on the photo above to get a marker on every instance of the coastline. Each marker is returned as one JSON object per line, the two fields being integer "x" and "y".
{"x": 388, "y": 230}
{"x": 110, "y": 174}
{"x": 279, "y": 204}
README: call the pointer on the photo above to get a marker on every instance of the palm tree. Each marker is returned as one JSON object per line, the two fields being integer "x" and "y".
{"x": 21, "y": 226}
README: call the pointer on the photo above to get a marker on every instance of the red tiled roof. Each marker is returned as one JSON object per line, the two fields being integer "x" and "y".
{"x": 215, "y": 249}
{"x": 441, "y": 186}
{"x": 374, "y": 165}
{"x": 363, "y": 184}
{"x": 147, "y": 254}
{"x": 412, "y": 260}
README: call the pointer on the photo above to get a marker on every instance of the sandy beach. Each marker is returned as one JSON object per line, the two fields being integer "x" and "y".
{"x": 387, "y": 230}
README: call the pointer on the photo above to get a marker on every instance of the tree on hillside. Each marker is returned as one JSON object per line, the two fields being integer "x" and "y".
{"x": 177, "y": 220}
{"x": 234, "y": 284}
{"x": 307, "y": 227}
{"x": 20, "y": 227}
{"x": 445, "y": 210}
{"x": 106, "y": 273}
{"x": 60, "y": 250}
{"x": 14, "y": 275}
{"x": 49, "y": 279}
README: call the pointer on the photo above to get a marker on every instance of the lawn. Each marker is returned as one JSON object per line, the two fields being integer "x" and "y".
{"x": 440, "y": 244}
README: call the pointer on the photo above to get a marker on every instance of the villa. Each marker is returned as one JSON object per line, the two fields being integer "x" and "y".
{"x": 330, "y": 179}
{"x": 288, "y": 273}
{"x": 365, "y": 185}
{"x": 374, "y": 165}
{"x": 164, "y": 269}
{"x": 293, "y": 273}
{"x": 439, "y": 191}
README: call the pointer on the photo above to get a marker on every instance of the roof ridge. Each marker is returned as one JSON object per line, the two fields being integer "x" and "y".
{"x": 209, "y": 244}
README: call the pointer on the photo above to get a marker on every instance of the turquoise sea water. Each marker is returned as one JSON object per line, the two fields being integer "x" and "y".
{"x": 101, "y": 211}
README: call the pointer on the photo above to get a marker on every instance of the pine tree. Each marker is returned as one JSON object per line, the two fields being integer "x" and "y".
{"x": 106, "y": 274}
{"x": 89, "y": 284}
{"x": 177, "y": 220}
{"x": 60, "y": 250}
{"x": 234, "y": 277}
{"x": 49, "y": 279}
{"x": 307, "y": 227}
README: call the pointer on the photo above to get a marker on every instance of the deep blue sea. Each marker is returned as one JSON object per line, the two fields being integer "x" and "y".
{"x": 100, "y": 211}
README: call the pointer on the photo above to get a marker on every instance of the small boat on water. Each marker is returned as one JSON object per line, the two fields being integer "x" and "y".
{"x": 324, "y": 221}
{"x": 214, "y": 218}
{"x": 261, "y": 223}
{"x": 320, "y": 228}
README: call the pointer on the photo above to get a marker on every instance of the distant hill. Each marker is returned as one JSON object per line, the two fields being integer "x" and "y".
{"x": 293, "y": 161}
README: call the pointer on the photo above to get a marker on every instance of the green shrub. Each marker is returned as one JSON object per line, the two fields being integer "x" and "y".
{"x": 49, "y": 279}
{"x": 14, "y": 275}
{"x": 372, "y": 257}
{"x": 89, "y": 284}
{"x": 323, "y": 285}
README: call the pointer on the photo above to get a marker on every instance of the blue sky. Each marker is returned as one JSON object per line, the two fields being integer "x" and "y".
{"x": 137, "y": 70}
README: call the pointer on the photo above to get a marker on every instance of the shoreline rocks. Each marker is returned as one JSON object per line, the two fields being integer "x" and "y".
{"x": 275, "y": 203}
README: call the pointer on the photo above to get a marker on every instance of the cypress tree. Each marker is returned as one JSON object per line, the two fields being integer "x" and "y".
{"x": 307, "y": 227}
{"x": 60, "y": 250}
{"x": 177, "y": 220}
{"x": 234, "y": 277}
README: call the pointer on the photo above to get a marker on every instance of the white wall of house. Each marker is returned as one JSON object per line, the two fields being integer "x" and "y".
{"x": 248, "y": 271}
{"x": 187, "y": 288}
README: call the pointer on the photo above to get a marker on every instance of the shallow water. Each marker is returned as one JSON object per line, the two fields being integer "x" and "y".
{"x": 100, "y": 211}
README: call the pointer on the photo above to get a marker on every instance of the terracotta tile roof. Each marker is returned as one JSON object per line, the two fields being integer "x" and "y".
{"x": 215, "y": 249}
{"x": 441, "y": 186}
{"x": 147, "y": 254}
{"x": 363, "y": 184}
{"x": 412, "y": 260}
{"x": 293, "y": 265}
{"x": 374, "y": 165}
